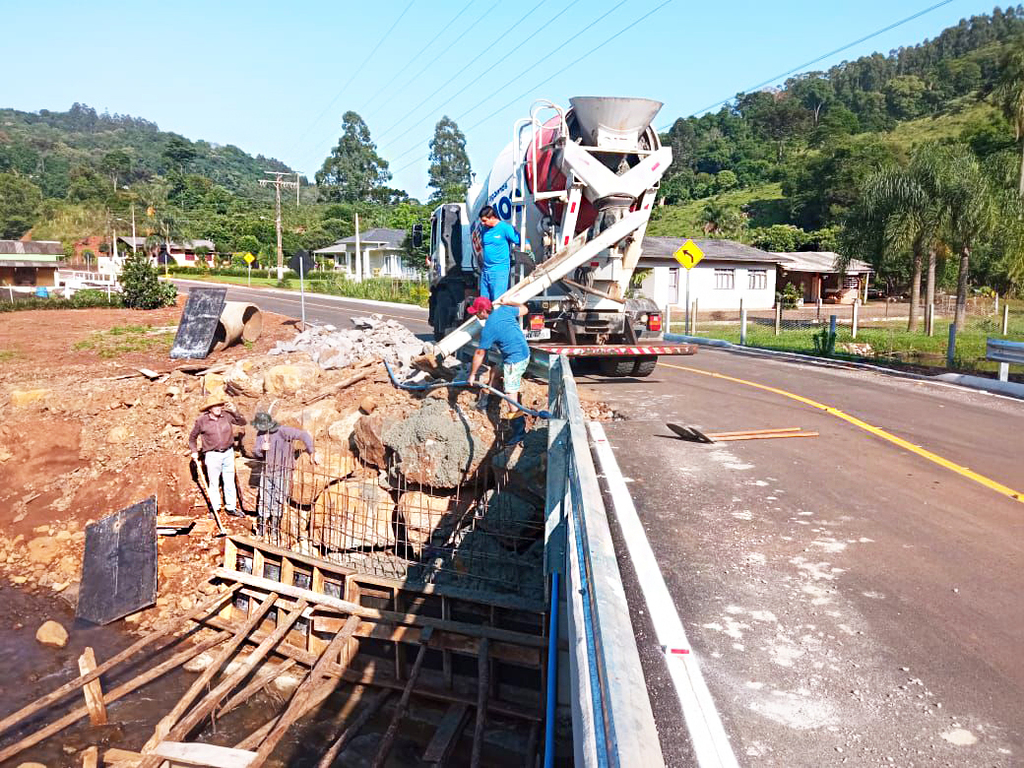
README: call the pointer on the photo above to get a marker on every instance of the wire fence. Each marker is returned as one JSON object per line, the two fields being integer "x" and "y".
{"x": 484, "y": 536}
{"x": 877, "y": 331}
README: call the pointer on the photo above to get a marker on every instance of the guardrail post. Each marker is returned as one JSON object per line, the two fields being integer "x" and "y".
{"x": 1004, "y": 371}
{"x": 856, "y": 316}
{"x": 743, "y": 324}
{"x": 1006, "y": 317}
{"x": 778, "y": 317}
{"x": 951, "y": 346}
{"x": 832, "y": 325}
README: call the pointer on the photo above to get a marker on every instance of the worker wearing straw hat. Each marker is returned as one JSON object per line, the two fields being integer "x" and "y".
{"x": 215, "y": 426}
{"x": 275, "y": 443}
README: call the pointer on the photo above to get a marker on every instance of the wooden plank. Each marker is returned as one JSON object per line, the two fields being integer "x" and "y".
{"x": 92, "y": 690}
{"x": 352, "y": 730}
{"x": 213, "y": 698}
{"x": 203, "y": 754}
{"x": 754, "y": 432}
{"x": 123, "y": 690}
{"x": 160, "y": 633}
{"x": 91, "y": 757}
{"x": 296, "y": 707}
{"x": 482, "y": 695}
{"x": 261, "y": 681}
{"x": 171, "y": 718}
{"x": 516, "y": 711}
{"x": 396, "y": 718}
{"x": 779, "y": 436}
{"x": 447, "y": 734}
{"x": 446, "y": 655}
{"x": 374, "y": 614}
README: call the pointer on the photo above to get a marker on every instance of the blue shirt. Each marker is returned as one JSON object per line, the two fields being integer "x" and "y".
{"x": 502, "y": 328}
{"x": 495, "y": 244}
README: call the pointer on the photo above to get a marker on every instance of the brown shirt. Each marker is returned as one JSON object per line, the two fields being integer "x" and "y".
{"x": 217, "y": 434}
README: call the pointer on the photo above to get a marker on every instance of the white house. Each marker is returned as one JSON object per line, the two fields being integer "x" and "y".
{"x": 381, "y": 250}
{"x": 183, "y": 254}
{"x": 730, "y": 271}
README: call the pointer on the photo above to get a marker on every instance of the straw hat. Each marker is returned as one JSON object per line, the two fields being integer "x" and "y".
{"x": 213, "y": 400}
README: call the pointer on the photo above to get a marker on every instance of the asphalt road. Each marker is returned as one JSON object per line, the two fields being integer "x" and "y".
{"x": 852, "y": 600}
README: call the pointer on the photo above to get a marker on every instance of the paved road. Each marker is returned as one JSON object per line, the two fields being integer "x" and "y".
{"x": 852, "y": 601}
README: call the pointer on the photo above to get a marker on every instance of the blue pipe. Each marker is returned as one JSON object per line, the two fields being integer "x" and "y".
{"x": 552, "y": 698}
{"x": 463, "y": 383}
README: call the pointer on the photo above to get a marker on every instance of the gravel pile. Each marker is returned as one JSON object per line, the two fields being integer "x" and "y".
{"x": 371, "y": 337}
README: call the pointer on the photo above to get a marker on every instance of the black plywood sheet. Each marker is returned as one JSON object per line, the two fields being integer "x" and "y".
{"x": 119, "y": 564}
{"x": 198, "y": 323}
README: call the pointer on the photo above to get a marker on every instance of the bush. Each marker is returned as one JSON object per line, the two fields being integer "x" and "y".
{"x": 81, "y": 300}
{"x": 141, "y": 285}
{"x": 789, "y": 297}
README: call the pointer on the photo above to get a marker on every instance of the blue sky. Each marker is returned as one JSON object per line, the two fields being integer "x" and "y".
{"x": 274, "y": 78}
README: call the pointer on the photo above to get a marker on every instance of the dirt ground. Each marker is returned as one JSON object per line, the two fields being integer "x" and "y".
{"x": 84, "y": 434}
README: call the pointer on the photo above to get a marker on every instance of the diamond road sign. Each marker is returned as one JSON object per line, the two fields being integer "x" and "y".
{"x": 689, "y": 255}
{"x": 249, "y": 258}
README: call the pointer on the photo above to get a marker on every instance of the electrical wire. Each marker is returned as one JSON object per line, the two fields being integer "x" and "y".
{"x": 534, "y": 88}
{"x": 824, "y": 56}
{"x": 355, "y": 74}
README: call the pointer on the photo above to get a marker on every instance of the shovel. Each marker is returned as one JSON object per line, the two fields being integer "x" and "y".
{"x": 206, "y": 495}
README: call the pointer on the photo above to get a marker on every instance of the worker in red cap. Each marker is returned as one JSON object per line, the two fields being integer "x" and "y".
{"x": 502, "y": 328}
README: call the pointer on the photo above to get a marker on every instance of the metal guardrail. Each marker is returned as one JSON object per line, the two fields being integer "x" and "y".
{"x": 613, "y": 723}
{"x": 1004, "y": 351}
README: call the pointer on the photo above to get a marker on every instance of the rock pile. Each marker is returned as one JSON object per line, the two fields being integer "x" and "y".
{"x": 373, "y": 336}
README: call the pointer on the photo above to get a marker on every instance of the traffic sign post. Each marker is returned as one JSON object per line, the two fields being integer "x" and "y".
{"x": 689, "y": 255}
{"x": 249, "y": 259}
{"x": 301, "y": 262}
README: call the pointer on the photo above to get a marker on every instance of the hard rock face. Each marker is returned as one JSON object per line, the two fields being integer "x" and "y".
{"x": 354, "y": 514}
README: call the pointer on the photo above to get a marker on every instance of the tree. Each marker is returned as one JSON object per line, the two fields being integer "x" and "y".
{"x": 813, "y": 91}
{"x": 904, "y": 96}
{"x": 179, "y": 152}
{"x": 450, "y": 173}
{"x": 778, "y": 238}
{"x": 141, "y": 286}
{"x": 1009, "y": 95}
{"x": 721, "y": 219}
{"x": 354, "y": 172}
{"x": 116, "y": 163}
{"x": 20, "y": 200}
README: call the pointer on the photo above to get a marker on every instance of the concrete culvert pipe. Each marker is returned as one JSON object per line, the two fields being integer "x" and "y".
{"x": 239, "y": 321}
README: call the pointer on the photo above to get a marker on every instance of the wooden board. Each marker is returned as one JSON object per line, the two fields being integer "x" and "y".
{"x": 119, "y": 564}
{"x": 204, "y": 754}
{"x": 198, "y": 324}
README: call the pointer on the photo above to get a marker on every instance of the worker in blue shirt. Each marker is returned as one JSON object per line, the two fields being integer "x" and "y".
{"x": 497, "y": 260}
{"x": 502, "y": 328}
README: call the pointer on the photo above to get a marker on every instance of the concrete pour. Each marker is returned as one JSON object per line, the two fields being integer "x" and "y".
{"x": 433, "y": 446}
{"x": 371, "y": 337}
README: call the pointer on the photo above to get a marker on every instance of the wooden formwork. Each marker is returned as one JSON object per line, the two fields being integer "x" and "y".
{"x": 397, "y": 650}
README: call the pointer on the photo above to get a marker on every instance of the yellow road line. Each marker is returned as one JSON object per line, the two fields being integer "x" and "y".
{"x": 877, "y": 431}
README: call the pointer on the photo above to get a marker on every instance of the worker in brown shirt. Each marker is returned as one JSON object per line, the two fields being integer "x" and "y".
{"x": 215, "y": 426}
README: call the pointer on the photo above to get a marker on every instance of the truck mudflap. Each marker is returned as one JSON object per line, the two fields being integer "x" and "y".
{"x": 615, "y": 350}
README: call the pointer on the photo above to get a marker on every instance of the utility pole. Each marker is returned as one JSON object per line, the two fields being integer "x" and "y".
{"x": 298, "y": 181}
{"x": 277, "y": 183}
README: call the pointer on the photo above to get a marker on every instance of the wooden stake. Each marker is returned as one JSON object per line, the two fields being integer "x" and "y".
{"x": 314, "y": 680}
{"x": 779, "y": 436}
{"x": 122, "y": 690}
{"x": 753, "y": 432}
{"x": 446, "y": 736}
{"x": 92, "y": 690}
{"x": 160, "y": 632}
{"x": 396, "y": 718}
{"x": 483, "y": 687}
{"x": 91, "y": 757}
{"x": 179, "y": 709}
{"x": 352, "y": 730}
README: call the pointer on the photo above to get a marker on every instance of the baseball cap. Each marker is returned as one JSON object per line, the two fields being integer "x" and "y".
{"x": 480, "y": 304}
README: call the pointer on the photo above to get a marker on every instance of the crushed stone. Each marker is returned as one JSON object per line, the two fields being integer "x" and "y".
{"x": 370, "y": 337}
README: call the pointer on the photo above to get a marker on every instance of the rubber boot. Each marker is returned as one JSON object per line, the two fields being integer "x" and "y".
{"x": 518, "y": 431}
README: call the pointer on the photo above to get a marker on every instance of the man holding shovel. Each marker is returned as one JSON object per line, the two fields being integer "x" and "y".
{"x": 215, "y": 426}
{"x": 275, "y": 443}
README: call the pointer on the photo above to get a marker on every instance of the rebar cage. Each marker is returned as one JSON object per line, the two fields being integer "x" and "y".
{"x": 485, "y": 536}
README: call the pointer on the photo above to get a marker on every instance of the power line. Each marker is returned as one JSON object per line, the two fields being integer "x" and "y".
{"x": 824, "y": 56}
{"x": 494, "y": 65}
{"x": 504, "y": 33}
{"x": 412, "y": 60}
{"x": 465, "y": 32}
{"x": 354, "y": 75}
{"x": 495, "y": 91}
{"x": 552, "y": 76}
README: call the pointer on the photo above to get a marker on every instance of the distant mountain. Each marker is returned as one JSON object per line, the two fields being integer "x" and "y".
{"x": 54, "y": 149}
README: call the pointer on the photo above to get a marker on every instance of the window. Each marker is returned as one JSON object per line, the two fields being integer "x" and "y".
{"x": 725, "y": 279}
{"x": 757, "y": 279}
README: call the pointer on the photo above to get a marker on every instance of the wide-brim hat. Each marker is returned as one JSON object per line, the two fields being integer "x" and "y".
{"x": 213, "y": 400}
{"x": 264, "y": 422}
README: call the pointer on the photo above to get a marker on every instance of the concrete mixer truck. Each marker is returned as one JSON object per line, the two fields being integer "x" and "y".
{"x": 578, "y": 185}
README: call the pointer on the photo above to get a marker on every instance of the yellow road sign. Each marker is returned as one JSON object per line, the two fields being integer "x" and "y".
{"x": 689, "y": 255}
{"x": 249, "y": 258}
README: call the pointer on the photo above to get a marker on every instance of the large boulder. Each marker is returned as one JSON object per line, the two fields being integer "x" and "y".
{"x": 52, "y": 634}
{"x": 368, "y": 435}
{"x": 422, "y": 515}
{"x": 353, "y": 514}
{"x": 309, "y": 480}
{"x": 436, "y": 446}
{"x": 341, "y": 430}
{"x": 315, "y": 418}
{"x": 289, "y": 378}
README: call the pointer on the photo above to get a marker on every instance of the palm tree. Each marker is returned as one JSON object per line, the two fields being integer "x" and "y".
{"x": 1009, "y": 95}
{"x": 720, "y": 219}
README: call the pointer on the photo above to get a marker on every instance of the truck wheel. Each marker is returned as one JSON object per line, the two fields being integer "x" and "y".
{"x": 617, "y": 367}
{"x": 645, "y": 366}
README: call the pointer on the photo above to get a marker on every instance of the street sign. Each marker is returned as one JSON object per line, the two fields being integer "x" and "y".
{"x": 249, "y": 258}
{"x": 301, "y": 262}
{"x": 689, "y": 254}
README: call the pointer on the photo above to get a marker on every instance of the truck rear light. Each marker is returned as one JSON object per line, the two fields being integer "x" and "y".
{"x": 536, "y": 322}
{"x": 653, "y": 322}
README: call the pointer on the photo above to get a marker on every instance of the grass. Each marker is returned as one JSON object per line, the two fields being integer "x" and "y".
{"x": 123, "y": 339}
{"x": 8, "y": 354}
{"x": 764, "y": 204}
{"x": 950, "y": 124}
{"x": 376, "y": 289}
